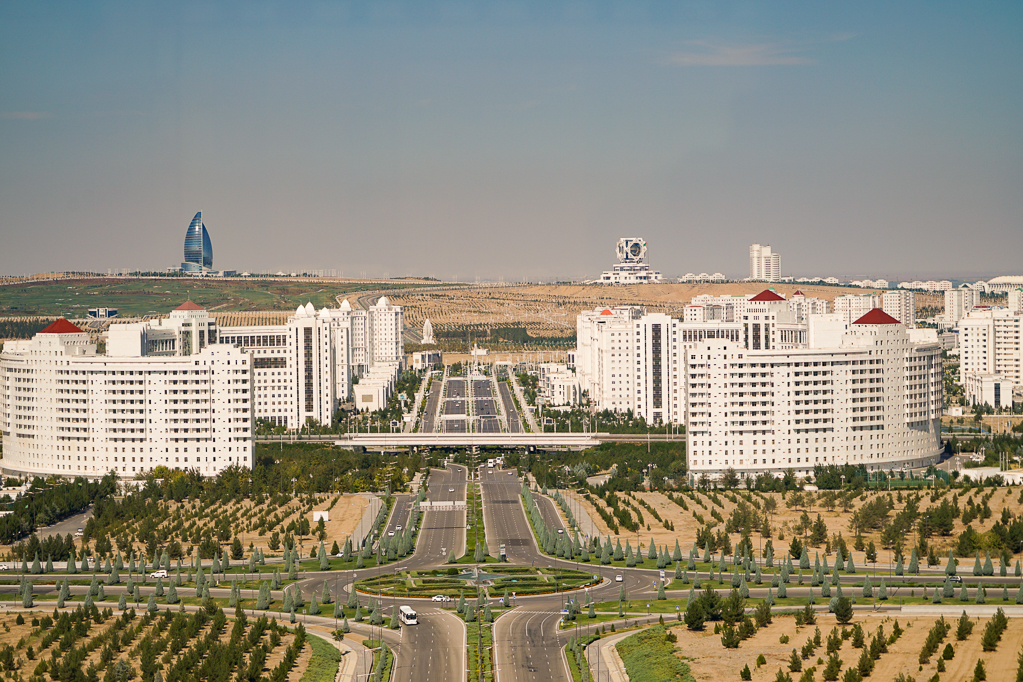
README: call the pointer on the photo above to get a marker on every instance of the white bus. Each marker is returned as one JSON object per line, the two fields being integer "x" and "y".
{"x": 407, "y": 615}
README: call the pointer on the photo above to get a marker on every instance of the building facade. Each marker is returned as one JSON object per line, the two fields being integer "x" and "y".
{"x": 990, "y": 345}
{"x": 304, "y": 369}
{"x": 198, "y": 247}
{"x": 632, "y": 267}
{"x": 764, "y": 265}
{"x": 864, "y": 396}
{"x": 958, "y": 302}
{"x": 67, "y": 410}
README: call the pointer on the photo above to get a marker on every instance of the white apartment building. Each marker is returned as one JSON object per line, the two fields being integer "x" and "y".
{"x": 305, "y": 368}
{"x": 988, "y": 389}
{"x": 854, "y": 306}
{"x": 958, "y": 302}
{"x": 764, "y": 266}
{"x": 901, "y": 305}
{"x": 67, "y": 410}
{"x": 867, "y": 395}
{"x": 1015, "y": 300}
{"x": 558, "y": 385}
{"x": 990, "y": 345}
{"x": 627, "y": 359}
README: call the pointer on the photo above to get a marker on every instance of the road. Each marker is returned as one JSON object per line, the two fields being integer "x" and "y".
{"x": 432, "y": 401}
{"x": 66, "y": 527}
{"x": 399, "y": 514}
{"x": 454, "y": 405}
{"x": 527, "y": 640}
{"x": 514, "y": 424}
{"x": 485, "y": 406}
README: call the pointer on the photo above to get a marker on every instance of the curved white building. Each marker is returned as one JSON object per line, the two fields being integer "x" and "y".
{"x": 67, "y": 410}
{"x": 870, "y": 394}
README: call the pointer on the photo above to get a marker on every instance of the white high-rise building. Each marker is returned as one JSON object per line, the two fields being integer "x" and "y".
{"x": 990, "y": 345}
{"x": 764, "y": 266}
{"x": 628, "y": 359}
{"x": 854, "y": 306}
{"x": 67, "y": 410}
{"x": 901, "y": 305}
{"x": 867, "y": 395}
{"x": 958, "y": 302}
{"x": 305, "y": 368}
{"x": 1015, "y": 302}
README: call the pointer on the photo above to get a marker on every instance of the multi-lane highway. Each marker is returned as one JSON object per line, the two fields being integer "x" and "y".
{"x": 514, "y": 425}
{"x": 527, "y": 640}
{"x": 432, "y": 402}
{"x": 455, "y": 409}
{"x": 485, "y": 406}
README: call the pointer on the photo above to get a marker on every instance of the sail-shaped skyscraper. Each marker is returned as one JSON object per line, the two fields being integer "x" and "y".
{"x": 198, "y": 248}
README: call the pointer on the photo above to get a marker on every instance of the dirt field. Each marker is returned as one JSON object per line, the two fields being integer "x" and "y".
{"x": 784, "y": 519}
{"x": 707, "y": 658}
{"x": 550, "y": 310}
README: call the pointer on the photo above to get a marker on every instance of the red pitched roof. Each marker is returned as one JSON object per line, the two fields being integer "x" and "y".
{"x": 877, "y": 316}
{"x": 188, "y": 305}
{"x": 798, "y": 293}
{"x": 606, "y": 312}
{"x": 767, "y": 295}
{"x": 61, "y": 326}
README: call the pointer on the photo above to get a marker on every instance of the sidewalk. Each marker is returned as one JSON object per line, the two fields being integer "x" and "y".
{"x": 605, "y": 663}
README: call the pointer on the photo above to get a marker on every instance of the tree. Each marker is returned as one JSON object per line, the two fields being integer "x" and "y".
{"x": 729, "y": 637}
{"x": 832, "y": 668}
{"x": 843, "y": 610}
{"x": 236, "y": 549}
{"x": 795, "y": 662}
{"x": 695, "y": 616}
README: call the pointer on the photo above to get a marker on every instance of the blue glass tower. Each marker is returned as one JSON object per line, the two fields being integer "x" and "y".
{"x": 198, "y": 248}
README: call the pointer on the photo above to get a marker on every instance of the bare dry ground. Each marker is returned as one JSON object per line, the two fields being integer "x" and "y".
{"x": 345, "y": 516}
{"x": 550, "y": 310}
{"x": 785, "y": 518}
{"x": 708, "y": 660}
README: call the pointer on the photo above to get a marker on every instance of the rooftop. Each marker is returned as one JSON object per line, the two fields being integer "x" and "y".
{"x": 61, "y": 326}
{"x": 877, "y": 316}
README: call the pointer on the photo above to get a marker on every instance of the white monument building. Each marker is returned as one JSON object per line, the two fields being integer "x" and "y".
{"x": 632, "y": 267}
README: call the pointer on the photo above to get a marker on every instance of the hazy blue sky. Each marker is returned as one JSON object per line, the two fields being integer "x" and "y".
{"x": 506, "y": 139}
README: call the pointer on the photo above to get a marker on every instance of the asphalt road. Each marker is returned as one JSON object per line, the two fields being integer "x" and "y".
{"x": 455, "y": 405}
{"x": 399, "y": 515}
{"x": 432, "y": 401}
{"x": 67, "y": 526}
{"x": 514, "y": 424}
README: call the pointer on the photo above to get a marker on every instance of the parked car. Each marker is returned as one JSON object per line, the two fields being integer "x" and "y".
{"x": 158, "y": 574}
{"x": 80, "y": 532}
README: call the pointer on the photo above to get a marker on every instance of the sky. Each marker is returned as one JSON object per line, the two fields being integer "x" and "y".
{"x": 513, "y": 140}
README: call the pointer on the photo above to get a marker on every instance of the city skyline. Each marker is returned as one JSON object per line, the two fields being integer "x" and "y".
{"x": 514, "y": 141}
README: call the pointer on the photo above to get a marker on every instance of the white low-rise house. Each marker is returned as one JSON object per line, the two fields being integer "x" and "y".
{"x": 558, "y": 385}
{"x": 868, "y": 395}
{"x": 375, "y": 387}
{"x": 67, "y": 410}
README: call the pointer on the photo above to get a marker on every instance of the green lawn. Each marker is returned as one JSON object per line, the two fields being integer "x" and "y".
{"x": 132, "y": 297}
